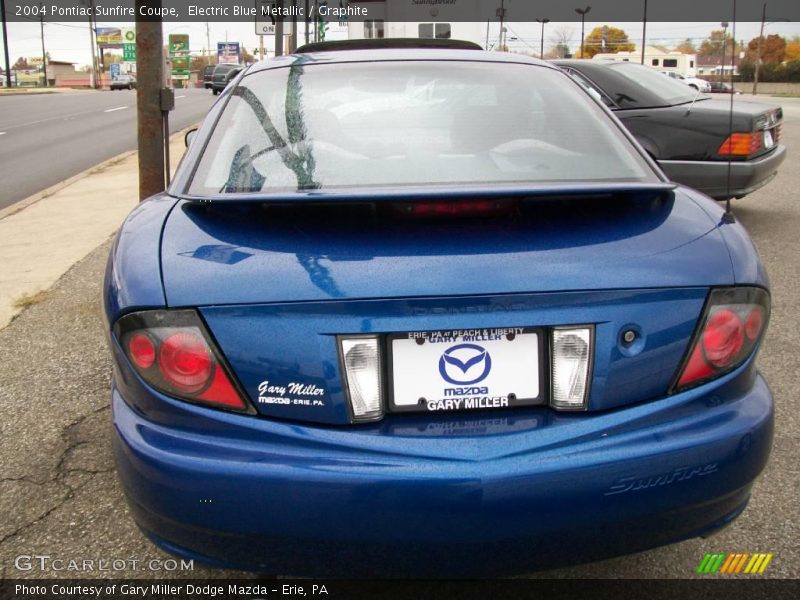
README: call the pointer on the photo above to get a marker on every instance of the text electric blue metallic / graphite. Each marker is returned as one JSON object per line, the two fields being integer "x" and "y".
{"x": 430, "y": 312}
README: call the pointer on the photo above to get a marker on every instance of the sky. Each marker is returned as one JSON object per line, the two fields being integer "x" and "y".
{"x": 70, "y": 41}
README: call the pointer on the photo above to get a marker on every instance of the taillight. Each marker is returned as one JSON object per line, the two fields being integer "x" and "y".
{"x": 361, "y": 356}
{"x": 455, "y": 208}
{"x": 571, "y": 349}
{"x": 741, "y": 144}
{"x": 732, "y": 324}
{"x": 185, "y": 361}
{"x": 172, "y": 352}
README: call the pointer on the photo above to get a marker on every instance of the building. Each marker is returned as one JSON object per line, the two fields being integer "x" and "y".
{"x": 411, "y": 19}
{"x": 669, "y": 62}
{"x": 711, "y": 66}
{"x": 63, "y": 74}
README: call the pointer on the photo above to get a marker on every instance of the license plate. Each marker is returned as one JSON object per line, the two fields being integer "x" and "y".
{"x": 475, "y": 369}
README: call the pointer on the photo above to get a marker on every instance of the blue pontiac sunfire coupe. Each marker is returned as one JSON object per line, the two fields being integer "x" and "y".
{"x": 430, "y": 312}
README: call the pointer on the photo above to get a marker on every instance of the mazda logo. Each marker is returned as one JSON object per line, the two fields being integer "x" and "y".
{"x": 465, "y": 364}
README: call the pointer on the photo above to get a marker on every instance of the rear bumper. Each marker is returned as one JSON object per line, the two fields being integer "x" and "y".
{"x": 470, "y": 495}
{"x": 711, "y": 177}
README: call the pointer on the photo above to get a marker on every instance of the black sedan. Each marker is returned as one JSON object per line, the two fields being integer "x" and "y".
{"x": 222, "y": 76}
{"x": 687, "y": 132}
{"x": 720, "y": 87}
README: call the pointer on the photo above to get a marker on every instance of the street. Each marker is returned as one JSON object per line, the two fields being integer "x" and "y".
{"x": 58, "y": 489}
{"x": 46, "y": 138}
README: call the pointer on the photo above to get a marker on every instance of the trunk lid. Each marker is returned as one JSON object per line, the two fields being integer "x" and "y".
{"x": 276, "y": 287}
{"x": 245, "y": 254}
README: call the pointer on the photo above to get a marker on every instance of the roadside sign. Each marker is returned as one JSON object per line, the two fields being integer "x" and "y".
{"x": 178, "y": 44}
{"x": 129, "y": 52}
{"x": 108, "y": 36}
{"x": 128, "y": 35}
{"x": 227, "y": 52}
{"x": 265, "y": 19}
{"x": 180, "y": 67}
{"x": 115, "y": 71}
{"x": 179, "y": 55}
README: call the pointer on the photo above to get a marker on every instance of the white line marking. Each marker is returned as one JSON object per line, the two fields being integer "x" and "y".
{"x": 2, "y": 132}
{"x": 113, "y": 109}
{"x": 176, "y": 97}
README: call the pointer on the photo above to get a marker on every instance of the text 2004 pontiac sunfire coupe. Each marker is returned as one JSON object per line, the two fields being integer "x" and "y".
{"x": 430, "y": 312}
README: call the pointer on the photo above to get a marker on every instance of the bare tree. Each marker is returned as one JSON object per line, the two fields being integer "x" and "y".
{"x": 559, "y": 43}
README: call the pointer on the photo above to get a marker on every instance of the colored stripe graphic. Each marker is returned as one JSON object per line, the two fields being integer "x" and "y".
{"x": 734, "y": 563}
{"x": 741, "y": 563}
{"x": 703, "y": 564}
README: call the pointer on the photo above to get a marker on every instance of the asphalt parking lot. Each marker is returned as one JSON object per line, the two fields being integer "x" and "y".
{"x": 59, "y": 495}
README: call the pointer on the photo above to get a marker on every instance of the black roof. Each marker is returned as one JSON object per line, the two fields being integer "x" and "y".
{"x": 384, "y": 43}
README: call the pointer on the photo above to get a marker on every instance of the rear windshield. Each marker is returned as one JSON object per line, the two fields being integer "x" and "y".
{"x": 653, "y": 83}
{"x": 410, "y": 124}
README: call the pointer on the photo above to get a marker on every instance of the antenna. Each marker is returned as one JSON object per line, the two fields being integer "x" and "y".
{"x": 728, "y": 216}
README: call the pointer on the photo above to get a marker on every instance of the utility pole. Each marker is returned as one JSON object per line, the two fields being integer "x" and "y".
{"x": 758, "y": 49}
{"x": 98, "y": 50}
{"x": 644, "y": 30}
{"x": 293, "y": 37}
{"x": 208, "y": 43}
{"x": 724, "y": 50}
{"x": 150, "y": 80}
{"x": 44, "y": 54}
{"x": 306, "y": 20}
{"x": 541, "y": 47}
{"x": 582, "y": 12}
{"x": 94, "y": 80}
{"x": 501, "y": 12}
{"x": 5, "y": 43}
{"x": 279, "y": 28}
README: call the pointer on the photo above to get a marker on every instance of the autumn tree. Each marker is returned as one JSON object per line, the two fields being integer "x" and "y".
{"x": 246, "y": 57}
{"x": 606, "y": 39}
{"x": 686, "y": 47}
{"x": 111, "y": 58}
{"x": 793, "y": 49}
{"x": 773, "y": 50}
{"x": 199, "y": 62}
{"x": 714, "y": 43}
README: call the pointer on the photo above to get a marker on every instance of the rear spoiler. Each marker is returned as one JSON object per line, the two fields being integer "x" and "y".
{"x": 411, "y": 194}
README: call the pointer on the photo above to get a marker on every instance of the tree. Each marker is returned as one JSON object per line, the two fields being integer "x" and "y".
{"x": 245, "y": 56}
{"x": 559, "y": 43}
{"x": 606, "y": 39}
{"x": 773, "y": 50}
{"x": 110, "y": 58}
{"x": 713, "y": 44}
{"x": 199, "y": 62}
{"x": 686, "y": 47}
{"x": 793, "y": 49}
{"x": 22, "y": 64}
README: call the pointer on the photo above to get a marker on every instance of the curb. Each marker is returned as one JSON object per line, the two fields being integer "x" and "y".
{"x": 47, "y": 192}
{"x": 50, "y": 91}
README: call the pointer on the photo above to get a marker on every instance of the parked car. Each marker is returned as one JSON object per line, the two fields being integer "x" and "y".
{"x": 3, "y": 79}
{"x": 222, "y": 76}
{"x": 430, "y": 313}
{"x": 693, "y": 82}
{"x": 208, "y": 76}
{"x": 123, "y": 82}
{"x": 687, "y": 132}
{"x": 722, "y": 87}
